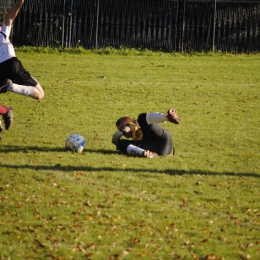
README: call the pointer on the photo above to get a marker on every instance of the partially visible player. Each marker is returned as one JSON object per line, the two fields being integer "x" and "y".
{"x": 8, "y": 116}
{"x": 149, "y": 139}
{"x": 13, "y": 76}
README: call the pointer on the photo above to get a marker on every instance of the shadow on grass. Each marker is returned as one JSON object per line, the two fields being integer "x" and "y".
{"x": 27, "y": 149}
{"x": 68, "y": 168}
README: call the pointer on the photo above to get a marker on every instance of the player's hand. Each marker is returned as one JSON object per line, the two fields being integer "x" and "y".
{"x": 116, "y": 137}
{"x": 172, "y": 116}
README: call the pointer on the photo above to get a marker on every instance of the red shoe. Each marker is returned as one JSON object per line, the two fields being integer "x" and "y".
{"x": 9, "y": 118}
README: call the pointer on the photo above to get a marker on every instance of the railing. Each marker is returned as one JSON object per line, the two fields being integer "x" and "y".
{"x": 167, "y": 25}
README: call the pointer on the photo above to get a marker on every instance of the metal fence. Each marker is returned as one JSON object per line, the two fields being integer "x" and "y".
{"x": 167, "y": 25}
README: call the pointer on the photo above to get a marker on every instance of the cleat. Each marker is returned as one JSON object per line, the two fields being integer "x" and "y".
{"x": 9, "y": 118}
{"x": 4, "y": 85}
{"x": 173, "y": 116}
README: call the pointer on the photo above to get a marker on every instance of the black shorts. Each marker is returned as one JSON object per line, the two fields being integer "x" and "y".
{"x": 13, "y": 69}
{"x": 162, "y": 146}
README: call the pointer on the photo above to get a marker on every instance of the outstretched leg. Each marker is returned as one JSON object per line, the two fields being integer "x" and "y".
{"x": 21, "y": 80}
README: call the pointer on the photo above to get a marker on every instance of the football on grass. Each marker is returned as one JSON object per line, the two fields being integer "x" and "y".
{"x": 75, "y": 143}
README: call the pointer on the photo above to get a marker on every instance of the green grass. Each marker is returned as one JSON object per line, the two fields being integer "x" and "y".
{"x": 201, "y": 203}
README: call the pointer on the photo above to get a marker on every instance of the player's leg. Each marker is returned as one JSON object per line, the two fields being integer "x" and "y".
{"x": 22, "y": 82}
{"x": 39, "y": 93}
{"x": 164, "y": 145}
{"x": 140, "y": 152}
{"x": 141, "y": 148}
{"x": 4, "y": 83}
{"x": 35, "y": 92}
{"x": 160, "y": 140}
{"x": 135, "y": 148}
{"x": 8, "y": 116}
{"x": 3, "y": 110}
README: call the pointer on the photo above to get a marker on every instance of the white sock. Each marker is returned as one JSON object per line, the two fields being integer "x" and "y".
{"x": 156, "y": 117}
{"x": 21, "y": 89}
{"x": 134, "y": 150}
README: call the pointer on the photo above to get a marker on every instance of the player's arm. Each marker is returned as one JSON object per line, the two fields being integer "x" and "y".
{"x": 11, "y": 15}
{"x": 170, "y": 116}
{"x": 116, "y": 137}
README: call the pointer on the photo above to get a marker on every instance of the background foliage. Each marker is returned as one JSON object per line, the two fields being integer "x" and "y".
{"x": 166, "y": 25}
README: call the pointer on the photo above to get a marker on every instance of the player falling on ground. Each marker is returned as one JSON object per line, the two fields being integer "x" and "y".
{"x": 13, "y": 77}
{"x": 7, "y": 113}
{"x": 149, "y": 139}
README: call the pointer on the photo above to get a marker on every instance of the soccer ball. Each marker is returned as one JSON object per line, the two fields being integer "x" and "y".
{"x": 75, "y": 143}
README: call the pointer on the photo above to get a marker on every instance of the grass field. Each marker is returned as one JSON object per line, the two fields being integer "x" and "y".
{"x": 201, "y": 203}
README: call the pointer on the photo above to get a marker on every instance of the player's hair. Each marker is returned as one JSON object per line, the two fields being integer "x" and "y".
{"x": 124, "y": 120}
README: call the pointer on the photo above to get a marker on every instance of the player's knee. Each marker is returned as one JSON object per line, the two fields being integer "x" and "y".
{"x": 41, "y": 96}
{"x": 40, "y": 92}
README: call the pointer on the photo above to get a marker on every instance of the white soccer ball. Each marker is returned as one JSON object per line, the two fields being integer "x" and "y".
{"x": 75, "y": 143}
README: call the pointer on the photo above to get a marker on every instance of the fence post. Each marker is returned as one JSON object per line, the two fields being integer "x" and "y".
{"x": 71, "y": 19}
{"x": 97, "y": 24}
{"x": 63, "y": 25}
{"x": 183, "y": 24}
{"x": 214, "y": 26}
{"x": 176, "y": 25}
